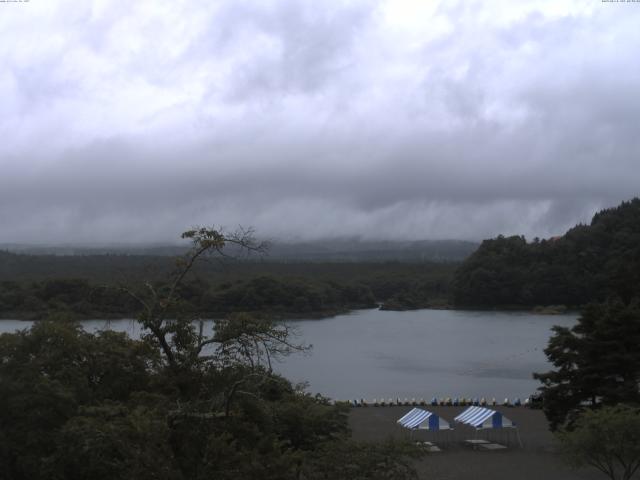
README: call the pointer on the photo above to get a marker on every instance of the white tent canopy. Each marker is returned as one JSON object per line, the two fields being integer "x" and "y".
{"x": 418, "y": 419}
{"x": 482, "y": 418}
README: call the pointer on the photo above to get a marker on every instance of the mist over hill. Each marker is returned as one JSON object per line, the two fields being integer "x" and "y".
{"x": 327, "y": 250}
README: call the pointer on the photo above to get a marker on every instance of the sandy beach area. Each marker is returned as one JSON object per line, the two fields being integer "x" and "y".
{"x": 536, "y": 459}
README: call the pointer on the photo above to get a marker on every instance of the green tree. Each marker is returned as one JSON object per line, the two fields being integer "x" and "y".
{"x": 178, "y": 404}
{"x": 163, "y": 315}
{"x": 596, "y": 362}
{"x": 589, "y": 263}
{"x": 351, "y": 460}
{"x": 607, "y": 439}
{"x": 48, "y": 373}
{"x": 113, "y": 441}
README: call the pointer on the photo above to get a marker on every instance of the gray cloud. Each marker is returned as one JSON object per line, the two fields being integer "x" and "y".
{"x": 385, "y": 120}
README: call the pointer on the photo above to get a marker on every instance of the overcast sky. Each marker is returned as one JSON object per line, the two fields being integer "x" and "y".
{"x": 132, "y": 121}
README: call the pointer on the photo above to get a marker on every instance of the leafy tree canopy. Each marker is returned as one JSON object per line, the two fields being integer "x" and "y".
{"x": 589, "y": 263}
{"x": 596, "y": 362}
{"x": 607, "y": 439}
{"x": 177, "y": 404}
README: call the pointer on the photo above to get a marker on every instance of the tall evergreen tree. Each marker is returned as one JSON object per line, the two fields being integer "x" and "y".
{"x": 596, "y": 362}
{"x": 589, "y": 263}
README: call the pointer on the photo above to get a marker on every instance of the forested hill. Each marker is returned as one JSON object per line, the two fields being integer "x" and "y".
{"x": 589, "y": 263}
{"x": 313, "y": 279}
{"x": 88, "y": 286}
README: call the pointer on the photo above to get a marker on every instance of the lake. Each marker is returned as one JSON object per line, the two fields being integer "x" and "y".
{"x": 422, "y": 353}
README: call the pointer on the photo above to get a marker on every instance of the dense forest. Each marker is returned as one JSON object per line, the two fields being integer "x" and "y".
{"x": 93, "y": 286}
{"x": 176, "y": 404}
{"x": 81, "y": 406}
{"x": 589, "y": 263}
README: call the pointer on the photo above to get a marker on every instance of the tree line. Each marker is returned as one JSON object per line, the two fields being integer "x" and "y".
{"x": 282, "y": 289}
{"x": 176, "y": 404}
{"x": 591, "y": 395}
{"x": 590, "y": 263}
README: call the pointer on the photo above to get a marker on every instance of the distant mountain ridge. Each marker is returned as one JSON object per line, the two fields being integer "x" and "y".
{"x": 588, "y": 263}
{"x": 363, "y": 250}
{"x": 333, "y": 250}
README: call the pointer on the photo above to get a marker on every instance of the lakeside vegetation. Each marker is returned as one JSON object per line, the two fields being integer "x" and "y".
{"x": 595, "y": 363}
{"x": 590, "y": 263}
{"x": 92, "y": 286}
{"x": 175, "y": 404}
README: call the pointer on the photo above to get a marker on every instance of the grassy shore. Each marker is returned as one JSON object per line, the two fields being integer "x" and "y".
{"x": 536, "y": 460}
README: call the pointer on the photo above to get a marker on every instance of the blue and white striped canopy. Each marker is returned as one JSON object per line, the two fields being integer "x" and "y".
{"x": 423, "y": 420}
{"x": 480, "y": 417}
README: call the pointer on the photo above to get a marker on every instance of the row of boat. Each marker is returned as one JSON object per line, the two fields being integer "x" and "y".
{"x": 448, "y": 401}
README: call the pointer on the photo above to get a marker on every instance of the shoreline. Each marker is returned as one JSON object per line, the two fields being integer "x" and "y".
{"x": 315, "y": 315}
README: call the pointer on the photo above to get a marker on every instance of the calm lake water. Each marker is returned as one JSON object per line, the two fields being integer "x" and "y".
{"x": 423, "y": 353}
